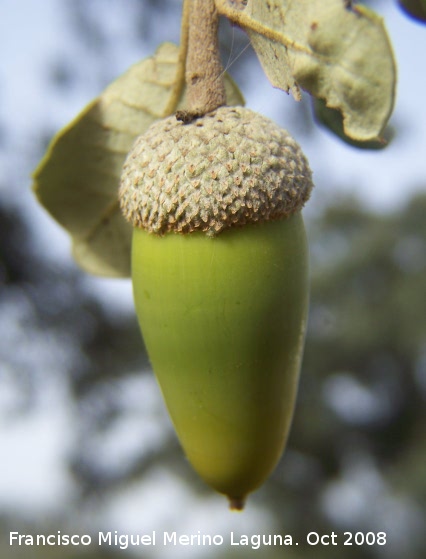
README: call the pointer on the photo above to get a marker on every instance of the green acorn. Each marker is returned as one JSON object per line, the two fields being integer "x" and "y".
{"x": 220, "y": 280}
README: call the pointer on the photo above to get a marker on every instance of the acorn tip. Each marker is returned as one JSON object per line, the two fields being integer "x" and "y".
{"x": 236, "y": 503}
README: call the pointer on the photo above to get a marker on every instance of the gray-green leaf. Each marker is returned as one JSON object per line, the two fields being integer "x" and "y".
{"x": 332, "y": 119}
{"x": 77, "y": 180}
{"x": 335, "y": 51}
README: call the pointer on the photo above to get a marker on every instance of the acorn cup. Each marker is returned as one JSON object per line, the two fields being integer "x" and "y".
{"x": 220, "y": 281}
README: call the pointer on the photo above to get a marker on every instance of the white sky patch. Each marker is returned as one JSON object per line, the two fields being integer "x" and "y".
{"x": 361, "y": 500}
{"x": 33, "y": 477}
{"x": 152, "y": 505}
{"x": 355, "y": 403}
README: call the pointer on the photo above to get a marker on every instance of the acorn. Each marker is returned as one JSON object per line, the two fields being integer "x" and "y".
{"x": 220, "y": 281}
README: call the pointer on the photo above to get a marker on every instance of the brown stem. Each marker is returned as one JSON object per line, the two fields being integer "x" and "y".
{"x": 204, "y": 71}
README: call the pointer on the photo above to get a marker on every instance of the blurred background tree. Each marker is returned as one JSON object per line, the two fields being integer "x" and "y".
{"x": 75, "y": 382}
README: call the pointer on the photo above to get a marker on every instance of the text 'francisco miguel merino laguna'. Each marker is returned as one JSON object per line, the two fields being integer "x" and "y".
{"x": 123, "y": 541}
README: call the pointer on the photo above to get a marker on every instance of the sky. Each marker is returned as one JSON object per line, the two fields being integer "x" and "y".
{"x": 33, "y": 31}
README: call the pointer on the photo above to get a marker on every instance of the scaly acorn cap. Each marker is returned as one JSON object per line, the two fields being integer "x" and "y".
{"x": 228, "y": 168}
